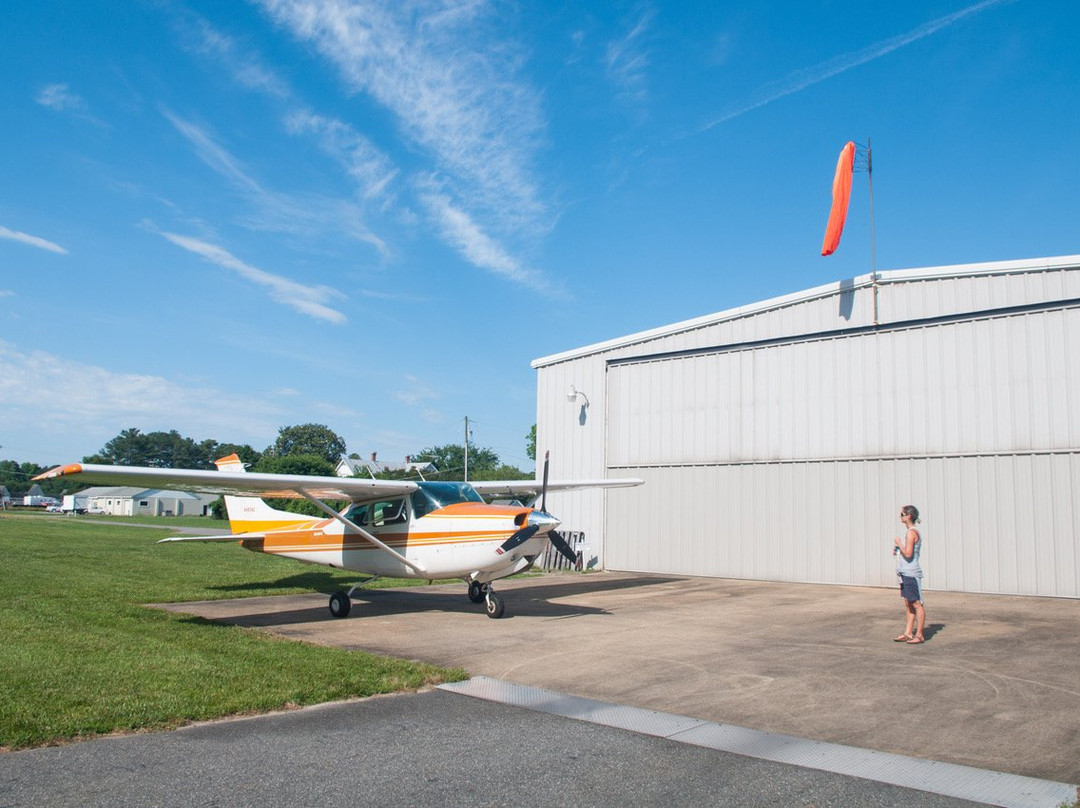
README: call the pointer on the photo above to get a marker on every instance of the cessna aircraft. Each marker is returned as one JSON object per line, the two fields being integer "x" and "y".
{"x": 390, "y": 528}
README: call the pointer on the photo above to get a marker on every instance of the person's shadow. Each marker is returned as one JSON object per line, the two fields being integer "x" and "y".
{"x": 930, "y": 630}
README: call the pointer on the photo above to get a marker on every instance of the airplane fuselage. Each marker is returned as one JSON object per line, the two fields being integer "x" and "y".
{"x": 458, "y": 541}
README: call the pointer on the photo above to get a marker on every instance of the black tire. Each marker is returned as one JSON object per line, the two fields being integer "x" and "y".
{"x": 340, "y": 605}
{"x": 495, "y": 606}
{"x": 476, "y": 592}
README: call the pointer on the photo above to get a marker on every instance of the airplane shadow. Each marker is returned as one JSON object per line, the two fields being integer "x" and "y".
{"x": 315, "y": 581}
{"x": 522, "y": 600}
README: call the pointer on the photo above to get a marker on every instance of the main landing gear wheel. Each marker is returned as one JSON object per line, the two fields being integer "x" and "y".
{"x": 340, "y": 604}
{"x": 476, "y": 592}
{"x": 495, "y": 606}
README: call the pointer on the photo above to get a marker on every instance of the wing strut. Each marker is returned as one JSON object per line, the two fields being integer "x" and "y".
{"x": 322, "y": 506}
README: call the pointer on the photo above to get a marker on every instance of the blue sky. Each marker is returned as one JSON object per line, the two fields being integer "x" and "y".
{"x": 224, "y": 218}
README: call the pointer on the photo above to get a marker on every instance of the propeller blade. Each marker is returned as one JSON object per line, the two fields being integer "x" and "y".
{"x": 520, "y": 537}
{"x": 543, "y": 489}
{"x": 562, "y": 545}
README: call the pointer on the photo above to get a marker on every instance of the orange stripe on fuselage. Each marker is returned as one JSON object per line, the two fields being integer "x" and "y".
{"x": 321, "y": 536}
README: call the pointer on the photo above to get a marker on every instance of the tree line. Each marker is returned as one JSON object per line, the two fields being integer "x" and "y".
{"x": 300, "y": 449}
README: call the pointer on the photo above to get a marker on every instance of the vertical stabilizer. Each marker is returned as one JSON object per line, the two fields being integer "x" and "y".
{"x": 251, "y": 514}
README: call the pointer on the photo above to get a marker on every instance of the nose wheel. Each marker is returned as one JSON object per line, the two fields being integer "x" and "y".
{"x": 483, "y": 593}
{"x": 495, "y": 606}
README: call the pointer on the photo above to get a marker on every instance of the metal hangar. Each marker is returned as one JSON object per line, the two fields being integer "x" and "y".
{"x": 778, "y": 440}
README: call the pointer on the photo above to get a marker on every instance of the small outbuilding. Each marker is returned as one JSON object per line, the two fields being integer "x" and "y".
{"x": 133, "y": 501}
{"x": 779, "y": 440}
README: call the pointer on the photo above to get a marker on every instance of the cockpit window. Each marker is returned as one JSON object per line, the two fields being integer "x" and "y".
{"x": 432, "y": 496}
{"x": 357, "y": 514}
{"x": 389, "y": 513}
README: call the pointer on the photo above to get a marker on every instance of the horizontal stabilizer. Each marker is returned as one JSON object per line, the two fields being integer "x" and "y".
{"x": 224, "y": 537}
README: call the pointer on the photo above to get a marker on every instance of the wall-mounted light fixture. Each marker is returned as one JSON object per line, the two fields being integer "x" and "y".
{"x": 573, "y": 393}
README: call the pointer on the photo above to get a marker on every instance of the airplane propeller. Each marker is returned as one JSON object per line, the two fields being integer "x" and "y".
{"x": 562, "y": 545}
{"x": 520, "y": 537}
{"x": 536, "y": 520}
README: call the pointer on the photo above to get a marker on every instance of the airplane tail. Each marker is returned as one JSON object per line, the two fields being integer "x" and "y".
{"x": 251, "y": 514}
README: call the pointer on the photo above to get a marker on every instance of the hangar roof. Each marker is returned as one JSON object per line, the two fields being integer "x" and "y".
{"x": 924, "y": 273}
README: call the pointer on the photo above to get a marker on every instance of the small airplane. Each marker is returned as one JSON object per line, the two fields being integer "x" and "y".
{"x": 389, "y": 529}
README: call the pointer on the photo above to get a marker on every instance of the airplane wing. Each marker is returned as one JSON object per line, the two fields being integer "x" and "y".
{"x": 534, "y": 486}
{"x": 252, "y": 484}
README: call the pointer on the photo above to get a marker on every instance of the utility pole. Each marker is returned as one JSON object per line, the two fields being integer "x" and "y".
{"x": 466, "y": 448}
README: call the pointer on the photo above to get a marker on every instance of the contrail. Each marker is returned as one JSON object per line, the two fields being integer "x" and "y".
{"x": 801, "y": 79}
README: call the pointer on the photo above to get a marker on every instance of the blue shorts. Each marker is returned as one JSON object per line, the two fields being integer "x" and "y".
{"x": 910, "y": 589}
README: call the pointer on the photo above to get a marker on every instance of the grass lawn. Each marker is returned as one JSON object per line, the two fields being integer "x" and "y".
{"x": 80, "y": 655}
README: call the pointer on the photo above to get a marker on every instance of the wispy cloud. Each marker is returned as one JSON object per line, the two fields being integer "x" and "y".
{"x": 369, "y": 168}
{"x": 448, "y": 76}
{"x": 416, "y": 392}
{"x": 309, "y": 300}
{"x": 44, "y": 394}
{"x": 807, "y": 77}
{"x": 273, "y": 211}
{"x": 626, "y": 59}
{"x": 465, "y": 235}
{"x": 244, "y": 66}
{"x": 60, "y": 98}
{"x": 33, "y": 241}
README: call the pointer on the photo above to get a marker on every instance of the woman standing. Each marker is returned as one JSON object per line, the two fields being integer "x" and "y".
{"x": 907, "y": 567}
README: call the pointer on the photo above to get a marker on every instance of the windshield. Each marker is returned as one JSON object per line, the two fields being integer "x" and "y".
{"x": 432, "y": 496}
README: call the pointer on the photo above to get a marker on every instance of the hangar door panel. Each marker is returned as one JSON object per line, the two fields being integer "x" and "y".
{"x": 971, "y": 386}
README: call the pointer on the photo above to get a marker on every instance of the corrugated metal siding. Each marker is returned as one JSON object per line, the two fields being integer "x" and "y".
{"x": 1004, "y": 384}
{"x": 1002, "y": 524}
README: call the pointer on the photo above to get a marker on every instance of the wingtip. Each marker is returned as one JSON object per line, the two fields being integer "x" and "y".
{"x": 60, "y": 471}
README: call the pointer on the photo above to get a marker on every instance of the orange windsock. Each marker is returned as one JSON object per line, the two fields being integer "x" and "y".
{"x": 841, "y": 195}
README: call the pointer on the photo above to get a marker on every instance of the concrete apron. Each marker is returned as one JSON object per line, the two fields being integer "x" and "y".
{"x": 996, "y": 686}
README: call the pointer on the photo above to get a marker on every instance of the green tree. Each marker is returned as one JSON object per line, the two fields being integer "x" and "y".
{"x": 309, "y": 439}
{"x": 450, "y": 460}
{"x": 215, "y": 450}
{"x": 530, "y": 443}
{"x": 499, "y": 473}
{"x": 16, "y": 478}
{"x": 296, "y": 464}
{"x": 166, "y": 450}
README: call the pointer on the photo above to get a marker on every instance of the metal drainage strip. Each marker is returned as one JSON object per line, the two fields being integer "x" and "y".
{"x": 948, "y": 779}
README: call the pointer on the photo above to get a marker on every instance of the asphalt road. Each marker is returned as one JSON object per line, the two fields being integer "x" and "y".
{"x": 433, "y": 748}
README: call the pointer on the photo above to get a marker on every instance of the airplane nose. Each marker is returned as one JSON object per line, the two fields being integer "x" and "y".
{"x": 543, "y": 520}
